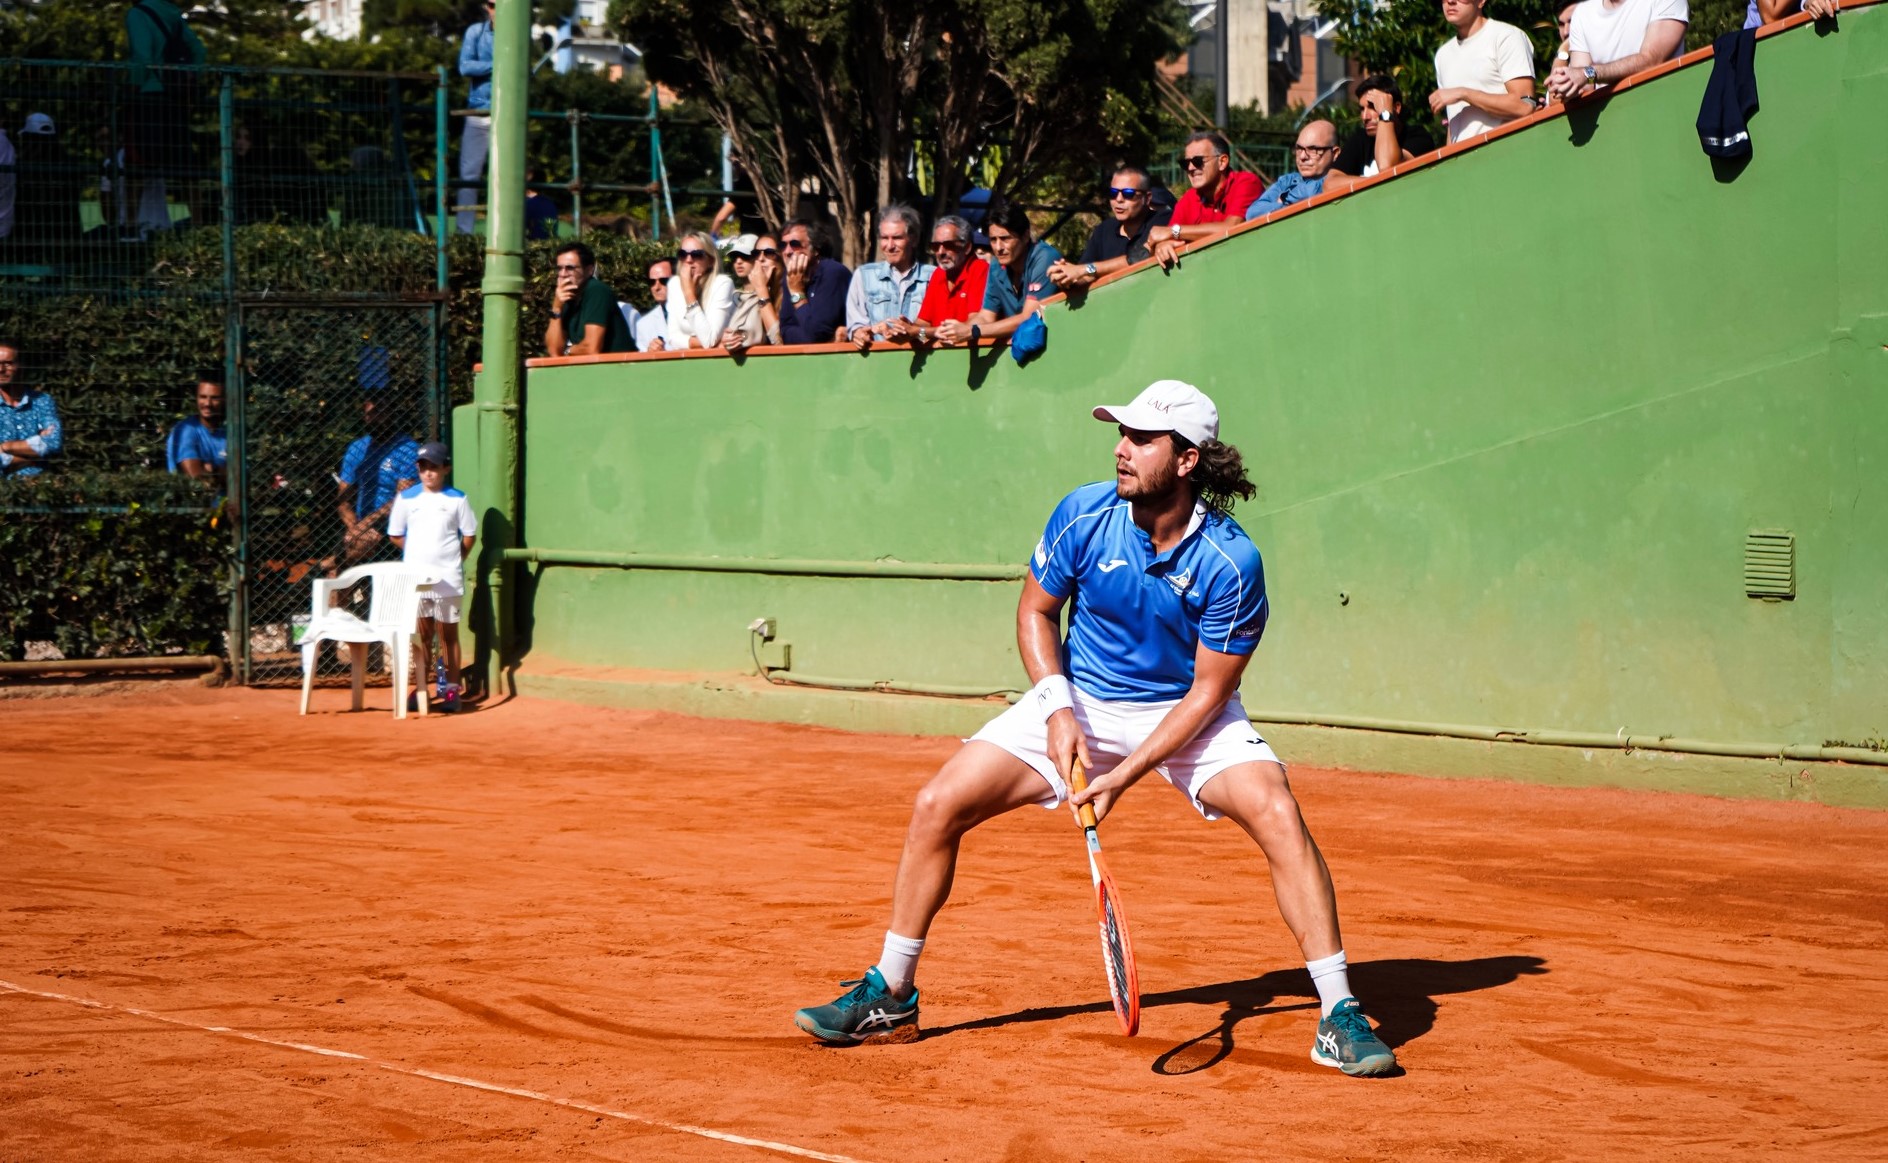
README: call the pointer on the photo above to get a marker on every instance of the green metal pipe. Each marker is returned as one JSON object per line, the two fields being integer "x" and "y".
{"x": 655, "y": 165}
{"x": 576, "y": 170}
{"x": 232, "y": 380}
{"x": 440, "y": 160}
{"x": 1618, "y": 742}
{"x": 497, "y": 389}
{"x": 771, "y": 565}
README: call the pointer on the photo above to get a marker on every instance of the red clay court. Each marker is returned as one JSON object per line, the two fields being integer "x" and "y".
{"x": 544, "y": 931}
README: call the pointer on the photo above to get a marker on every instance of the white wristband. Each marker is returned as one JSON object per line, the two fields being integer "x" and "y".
{"x": 1052, "y": 694}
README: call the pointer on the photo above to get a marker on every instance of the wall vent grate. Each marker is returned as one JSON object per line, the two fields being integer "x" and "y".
{"x": 1770, "y": 564}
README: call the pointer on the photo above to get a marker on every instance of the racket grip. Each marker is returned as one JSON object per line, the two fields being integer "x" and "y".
{"x": 1078, "y": 779}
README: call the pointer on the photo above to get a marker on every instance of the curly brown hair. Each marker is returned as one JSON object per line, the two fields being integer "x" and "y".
{"x": 1219, "y": 480}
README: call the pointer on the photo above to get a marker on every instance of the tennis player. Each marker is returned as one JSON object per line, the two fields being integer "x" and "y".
{"x": 1168, "y": 605}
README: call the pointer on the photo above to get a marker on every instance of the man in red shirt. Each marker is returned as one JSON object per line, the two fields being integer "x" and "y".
{"x": 1217, "y": 200}
{"x": 956, "y": 288}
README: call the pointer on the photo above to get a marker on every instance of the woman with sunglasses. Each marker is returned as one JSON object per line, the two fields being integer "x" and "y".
{"x": 756, "y": 318}
{"x": 700, "y": 297}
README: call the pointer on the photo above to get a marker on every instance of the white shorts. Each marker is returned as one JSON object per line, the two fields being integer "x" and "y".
{"x": 1114, "y": 730}
{"x": 440, "y": 607}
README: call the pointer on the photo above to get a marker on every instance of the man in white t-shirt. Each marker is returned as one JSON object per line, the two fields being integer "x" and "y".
{"x": 434, "y": 527}
{"x": 1485, "y": 75}
{"x": 1609, "y": 40}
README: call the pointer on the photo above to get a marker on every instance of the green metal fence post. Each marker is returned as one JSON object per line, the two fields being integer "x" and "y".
{"x": 576, "y": 170}
{"x": 440, "y": 133}
{"x": 442, "y": 391}
{"x": 655, "y": 165}
{"x": 238, "y": 465}
{"x": 498, "y": 387}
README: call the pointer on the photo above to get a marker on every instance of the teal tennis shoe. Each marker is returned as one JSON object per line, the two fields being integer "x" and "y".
{"x": 1346, "y": 1041}
{"x": 867, "y": 1013}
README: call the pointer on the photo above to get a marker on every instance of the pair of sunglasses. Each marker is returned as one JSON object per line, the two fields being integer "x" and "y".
{"x": 697, "y": 255}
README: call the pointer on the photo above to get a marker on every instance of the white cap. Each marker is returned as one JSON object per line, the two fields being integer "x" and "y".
{"x": 1167, "y": 406}
{"x": 37, "y": 123}
{"x": 741, "y": 244}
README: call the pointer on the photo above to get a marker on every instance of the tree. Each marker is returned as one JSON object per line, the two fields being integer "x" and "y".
{"x": 836, "y": 96}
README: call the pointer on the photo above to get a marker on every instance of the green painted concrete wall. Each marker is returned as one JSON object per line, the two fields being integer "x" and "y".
{"x": 1521, "y": 406}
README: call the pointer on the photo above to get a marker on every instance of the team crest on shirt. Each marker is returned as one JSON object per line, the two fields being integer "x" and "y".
{"x": 1042, "y": 555}
{"x": 1180, "y": 582}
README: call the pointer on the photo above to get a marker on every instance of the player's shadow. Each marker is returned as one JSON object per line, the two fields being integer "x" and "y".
{"x": 1400, "y": 994}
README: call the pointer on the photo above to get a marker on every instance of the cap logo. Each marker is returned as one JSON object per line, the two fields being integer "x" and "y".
{"x": 1160, "y": 405}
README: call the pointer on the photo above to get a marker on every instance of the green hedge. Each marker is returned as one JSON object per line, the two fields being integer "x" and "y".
{"x": 112, "y": 564}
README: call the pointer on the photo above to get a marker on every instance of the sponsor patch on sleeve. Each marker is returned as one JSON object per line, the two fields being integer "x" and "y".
{"x": 1042, "y": 555}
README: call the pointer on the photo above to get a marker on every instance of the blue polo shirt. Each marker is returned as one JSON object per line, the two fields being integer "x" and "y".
{"x": 192, "y": 439}
{"x": 1137, "y": 615}
{"x": 1002, "y": 297}
{"x": 376, "y": 469}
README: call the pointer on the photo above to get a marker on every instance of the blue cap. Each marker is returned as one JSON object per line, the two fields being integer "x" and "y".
{"x": 433, "y": 452}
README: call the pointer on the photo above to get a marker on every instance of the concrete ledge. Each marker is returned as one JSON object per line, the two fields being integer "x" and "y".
{"x": 732, "y": 696}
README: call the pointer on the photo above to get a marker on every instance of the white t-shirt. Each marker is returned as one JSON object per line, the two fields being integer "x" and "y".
{"x": 705, "y": 320}
{"x": 1485, "y": 62}
{"x": 650, "y": 326}
{"x": 1608, "y": 33}
{"x": 433, "y": 525}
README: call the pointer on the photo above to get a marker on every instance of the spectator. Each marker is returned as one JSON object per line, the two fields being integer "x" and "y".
{"x": 651, "y": 325}
{"x": 815, "y": 307}
{"x": 1217, "y": 199}
{"x": 1018, "y": 279}
{"x": 957, "y": 286}
{"x": 585, "y": 319}
{"x": 30, "y": 433}
{"x": 1313, "y": 154}
{"x": 197, "y": 446}
{"x": 47, "y": 209}
{"x": 8, "y": 184}
{"x": 701, "y": 299}
{"x": 1563, "y": 22}
{"x": 1120, "y": 240}
{"x": 1382, "y": 142}
{"x": 435, "y": 528}
{"x": 1484, "y": 74}
{"x": 376, "y": 467}
{"x": 475, "y": 141}
{"x": 1763, "y": 12}
{"x": 756, "y": 318}
{"x": 158, "y": 119}
{"x": 1608, "y": 41}
{"x": 540, "y": 212}
{"x": 885, "y": 295}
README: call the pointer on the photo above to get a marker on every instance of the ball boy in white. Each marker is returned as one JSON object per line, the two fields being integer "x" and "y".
{"x": 434, "y": 526}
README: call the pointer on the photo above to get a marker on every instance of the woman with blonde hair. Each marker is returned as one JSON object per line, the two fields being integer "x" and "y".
{"x": 700, "y": 297}
{"x": 756, "y": 319}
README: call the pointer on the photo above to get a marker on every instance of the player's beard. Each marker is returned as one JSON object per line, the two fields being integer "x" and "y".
{"x": 1155, "y": 485}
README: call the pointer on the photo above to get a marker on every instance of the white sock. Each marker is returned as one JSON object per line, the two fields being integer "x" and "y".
{"x": 1332, "y": 977}
{"x": 898, "y": 964}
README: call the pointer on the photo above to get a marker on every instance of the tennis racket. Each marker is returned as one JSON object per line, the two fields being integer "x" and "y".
{"x": 1117, "y": 951}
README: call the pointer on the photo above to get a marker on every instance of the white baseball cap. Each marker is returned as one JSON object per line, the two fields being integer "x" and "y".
{"x": 1167, "y": 406}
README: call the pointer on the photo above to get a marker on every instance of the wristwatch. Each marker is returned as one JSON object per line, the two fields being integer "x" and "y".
{"x": 1175, "y": 232}
{"x": 797, "y": 296}
{"x": 1090, "y": 270}
{"x": 1385, "y": 115}
{"x": 1592, "y": 75}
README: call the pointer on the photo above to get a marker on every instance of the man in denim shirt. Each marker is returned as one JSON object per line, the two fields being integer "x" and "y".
{"x": 475, "y": 63}
{"x": 1314, "y": 153}
{"x": 29, "y": 422}
{"x": 885, "y": 296}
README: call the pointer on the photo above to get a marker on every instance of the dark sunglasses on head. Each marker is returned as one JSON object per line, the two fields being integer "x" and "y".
{"x": 1124, "y": 192}
{"x": 691, "y": 253}
{"x": 1194, "y": 163}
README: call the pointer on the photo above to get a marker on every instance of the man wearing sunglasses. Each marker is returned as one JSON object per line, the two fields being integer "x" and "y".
{"x": 30, "y": 431}
{"x": 585, "y": 319}
{"x": 1313, "y": 155}
{"x": 1121, "y": 239}
{"x": 956, "y": 289}
{"x": 1217, "y": 200}
{"x": 815, "y": 303}
{"x": 652, "y": 324}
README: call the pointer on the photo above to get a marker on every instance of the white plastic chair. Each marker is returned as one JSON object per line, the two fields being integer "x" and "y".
{"x": 393, "y": 610}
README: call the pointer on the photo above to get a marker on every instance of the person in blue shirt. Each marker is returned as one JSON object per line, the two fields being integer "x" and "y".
{"x": 1313, "y": 154}
{"x": 475, "y": 64}
{"x": 376, "y": 468}
{"x": 198, "y": 446}
{"x": 30, "y": 432}
{"x": 1019, "y": 277}
{"x": 1166, "y": 598}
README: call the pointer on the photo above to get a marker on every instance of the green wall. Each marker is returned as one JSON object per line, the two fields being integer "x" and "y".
{"x": 1521, "y": 406}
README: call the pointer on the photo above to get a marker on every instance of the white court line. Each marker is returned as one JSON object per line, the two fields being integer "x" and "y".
{"x": 453, "y": 1079}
